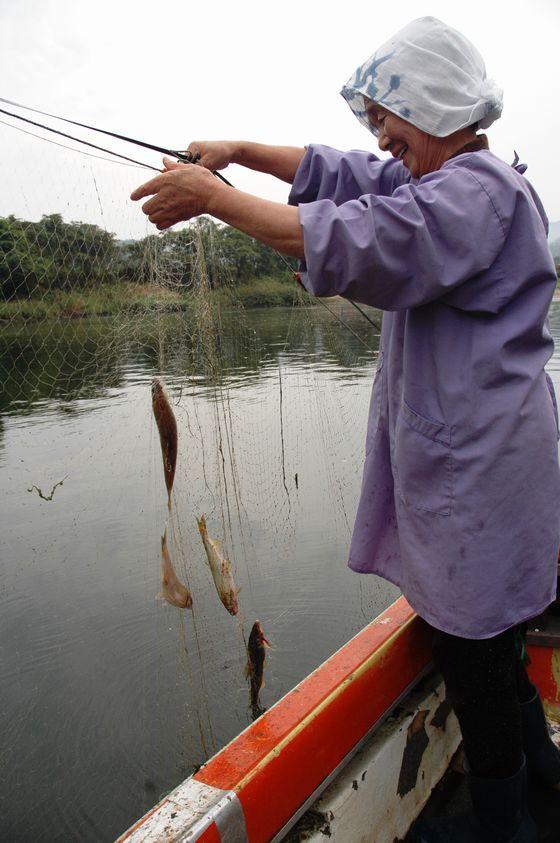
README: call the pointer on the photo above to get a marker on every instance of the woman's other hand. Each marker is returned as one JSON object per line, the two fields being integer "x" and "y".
{"x": 214, "y": 155}
{"x": 279, "y": 161}
{"x": 181, "y": 192}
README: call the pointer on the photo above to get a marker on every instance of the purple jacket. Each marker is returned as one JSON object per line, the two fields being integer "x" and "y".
{"x": 460, "y": 499}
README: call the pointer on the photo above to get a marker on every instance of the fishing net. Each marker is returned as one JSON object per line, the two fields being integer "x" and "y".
{"x": 119, "y": 693}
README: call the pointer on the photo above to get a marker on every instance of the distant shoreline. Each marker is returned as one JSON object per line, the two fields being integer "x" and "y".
{"x": 126, "y": 298}
{"x": 129, "y": 299}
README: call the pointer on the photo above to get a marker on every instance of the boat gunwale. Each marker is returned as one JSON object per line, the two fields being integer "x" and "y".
{"x": 389, "y": 656}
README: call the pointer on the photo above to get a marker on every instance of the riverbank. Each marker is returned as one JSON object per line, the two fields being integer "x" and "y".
{"x": 126, "y": 298}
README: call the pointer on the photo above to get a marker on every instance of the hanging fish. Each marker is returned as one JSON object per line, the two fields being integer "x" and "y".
{"x": 256, "y": 659}
{"x": 220, "y": 567}
{"x": 167, "y": 427}
{"x": 174, "y": 592}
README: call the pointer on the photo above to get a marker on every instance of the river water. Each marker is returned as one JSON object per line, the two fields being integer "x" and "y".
{"x": 109, "y": 696}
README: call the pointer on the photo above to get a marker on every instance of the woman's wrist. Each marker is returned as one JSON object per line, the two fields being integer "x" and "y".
{"x": 272, "y": 223}
{"x": 217, "y": 197}
{"x": 238, "y": 152}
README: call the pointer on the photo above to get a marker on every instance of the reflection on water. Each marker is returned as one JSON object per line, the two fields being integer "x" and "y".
{"x": 74, "y": 359}
{"x": 109, "y": 696}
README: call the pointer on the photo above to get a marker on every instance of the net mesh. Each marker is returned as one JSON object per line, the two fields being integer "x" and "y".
{"x": 271, "y": 409}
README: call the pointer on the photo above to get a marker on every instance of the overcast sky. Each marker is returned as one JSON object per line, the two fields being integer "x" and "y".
{"x": 269, "y": 72}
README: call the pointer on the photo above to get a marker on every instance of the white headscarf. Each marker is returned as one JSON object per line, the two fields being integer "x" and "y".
{"x": 430, "y": 75}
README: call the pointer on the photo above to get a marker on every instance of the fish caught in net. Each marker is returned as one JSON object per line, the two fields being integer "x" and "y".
{"x": 109, "y": 333}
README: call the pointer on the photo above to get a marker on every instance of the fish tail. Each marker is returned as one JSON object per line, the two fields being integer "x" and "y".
{"x": 202, "y": 525}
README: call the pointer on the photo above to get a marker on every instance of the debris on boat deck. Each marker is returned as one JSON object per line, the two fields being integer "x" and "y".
{"x": 167, "y": 427}
{"x": 220, "y": 567}
{"x": 173, "y": 590}
{"x": 256, "y": 660}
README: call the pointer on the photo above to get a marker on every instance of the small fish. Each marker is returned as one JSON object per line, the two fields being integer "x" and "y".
{"x": 167, "y": 427}
{"x": 220, "y": 567}
{"x": 174, "y": 592}
{"x": 256, "y": 659}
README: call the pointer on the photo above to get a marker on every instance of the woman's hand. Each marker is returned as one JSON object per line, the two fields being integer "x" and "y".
{"x": 279, "y": 161}
{"x": 184, "y": 191}
{"x": 181, "y": 192}
{"x": 214, "y": 155}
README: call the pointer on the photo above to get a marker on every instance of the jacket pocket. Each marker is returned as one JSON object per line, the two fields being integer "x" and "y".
{"x": 423, "y": 462}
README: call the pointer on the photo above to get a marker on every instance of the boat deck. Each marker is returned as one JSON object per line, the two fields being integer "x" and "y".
{"x": 352, "y": 753}
{"x": 451, "y": 797}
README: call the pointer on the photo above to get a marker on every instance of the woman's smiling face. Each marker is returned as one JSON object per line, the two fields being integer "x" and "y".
{"x": 420, "y": 152}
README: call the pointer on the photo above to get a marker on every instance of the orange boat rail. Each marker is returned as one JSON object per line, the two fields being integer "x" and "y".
{"x": 253, "y": 787}
{"x": 544, "y": 671}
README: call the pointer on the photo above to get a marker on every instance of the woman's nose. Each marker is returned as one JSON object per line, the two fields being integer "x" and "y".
{"x": 383, "y": 141}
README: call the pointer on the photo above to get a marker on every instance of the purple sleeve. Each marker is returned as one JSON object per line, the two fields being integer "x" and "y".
{"x": 401, "y": 251}
{"x": 326, "y": 173}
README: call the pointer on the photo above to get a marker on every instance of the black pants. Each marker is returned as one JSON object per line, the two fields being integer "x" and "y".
{"x": 485, "y": 682}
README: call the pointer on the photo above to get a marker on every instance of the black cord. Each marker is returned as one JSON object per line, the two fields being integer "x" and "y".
{"x": 182, "y": 156}
{"x": 78, "y": 140}
{"x": 187, "y": 156}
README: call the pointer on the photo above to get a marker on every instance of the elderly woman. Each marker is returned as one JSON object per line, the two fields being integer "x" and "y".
{"x": 461, "y": 487}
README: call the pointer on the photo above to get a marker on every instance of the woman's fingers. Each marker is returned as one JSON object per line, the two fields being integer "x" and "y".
{"x": 214, "y": 155}
{"x": 155, "y": 184}
{"x": 194, "y": 149}
{"x": 199, "y": 153}
{"x": 152, "y": 205}
{"x": 148, "y": 188}
{"x": 181, "y": 192}
{"x": 169, "y": 164}
{"x": 159, "y": 216}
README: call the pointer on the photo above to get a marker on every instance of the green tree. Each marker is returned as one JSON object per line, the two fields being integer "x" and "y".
{"x": 21, "y": 270}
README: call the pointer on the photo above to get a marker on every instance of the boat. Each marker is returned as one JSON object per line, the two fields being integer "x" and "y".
{"x": 354, "y": 753}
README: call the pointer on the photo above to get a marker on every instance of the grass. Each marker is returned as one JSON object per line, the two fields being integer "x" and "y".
{"x": 264, "y": 292}
{"x": 127, "y": 297}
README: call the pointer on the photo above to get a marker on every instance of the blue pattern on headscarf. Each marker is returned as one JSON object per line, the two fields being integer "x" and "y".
{"x": 362, "y": 75}
{"x": 362, "y": 87}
